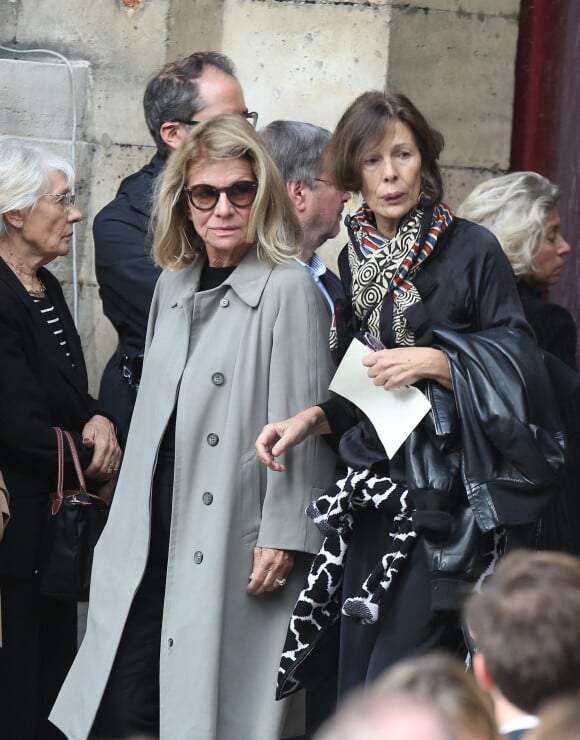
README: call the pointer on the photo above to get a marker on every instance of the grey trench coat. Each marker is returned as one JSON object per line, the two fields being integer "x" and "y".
{"x": 250, "y": 351}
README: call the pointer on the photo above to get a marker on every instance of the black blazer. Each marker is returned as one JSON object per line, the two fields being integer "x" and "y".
{"x": 127, "y": 276}
{"x": 553, "y": 325}
{"x": 333, "y": 285}
{"x": 39, "y": 389}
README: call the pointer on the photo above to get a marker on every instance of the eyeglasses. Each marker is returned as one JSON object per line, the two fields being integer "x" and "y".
{"x": 64, "y": 199}
{"x": 205, "y": 197}
{"x": 251, "y": 116}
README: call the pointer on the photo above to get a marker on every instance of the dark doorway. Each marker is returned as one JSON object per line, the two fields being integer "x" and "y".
{"x": 546, "y": 131}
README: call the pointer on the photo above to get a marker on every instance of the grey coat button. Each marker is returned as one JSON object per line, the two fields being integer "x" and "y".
{"x": 197, "y": 557}
{"x": 212, "y": 439}
{"x": 207, "y": 498}
{"x": 224, "y": 303}
{"x": 218, "y": 379}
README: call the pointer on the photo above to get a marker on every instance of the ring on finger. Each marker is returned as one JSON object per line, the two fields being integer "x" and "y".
{"x": 280, "y": 582}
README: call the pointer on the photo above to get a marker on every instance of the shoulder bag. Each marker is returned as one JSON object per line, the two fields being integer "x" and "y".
{"x": 75, "y": 523}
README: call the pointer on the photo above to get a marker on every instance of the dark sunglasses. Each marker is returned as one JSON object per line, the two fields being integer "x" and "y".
{"x": 205, "y": 197}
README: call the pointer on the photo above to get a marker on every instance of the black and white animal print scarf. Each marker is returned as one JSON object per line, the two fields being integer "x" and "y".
{"x": 319, "y": 604}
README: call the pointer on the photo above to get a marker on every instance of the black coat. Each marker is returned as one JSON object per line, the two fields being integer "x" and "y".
{"x": 555, "y": 330}
{"x": 39, "y": 389}
{"x": 333, "y": 285}
{"x": 553, "y": 325}
{"x": 127, "y": 277}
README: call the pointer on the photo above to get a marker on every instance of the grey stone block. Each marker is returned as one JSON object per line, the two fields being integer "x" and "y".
{"x": 459, "y": 71}
{"x": 36, "y": 98}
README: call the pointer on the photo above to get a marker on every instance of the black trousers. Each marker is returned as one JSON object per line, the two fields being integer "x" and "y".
{"x": 39, "y": 645}
{"x": 406, "y": 626}
{"x": 130, "y": 703}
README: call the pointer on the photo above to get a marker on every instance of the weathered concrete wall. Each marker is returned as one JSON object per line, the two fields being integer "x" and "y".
{"x": 456, "y": 59}
{"x": 295, "y": 59}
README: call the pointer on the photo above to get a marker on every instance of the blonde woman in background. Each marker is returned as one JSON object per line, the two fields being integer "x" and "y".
{"x": 521, "y": 209}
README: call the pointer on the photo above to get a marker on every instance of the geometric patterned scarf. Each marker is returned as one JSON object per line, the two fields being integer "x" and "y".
{"x": 382, "y": 267}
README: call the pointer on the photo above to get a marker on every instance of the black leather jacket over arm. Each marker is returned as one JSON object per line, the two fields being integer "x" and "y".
{"x": 512, "y": 447}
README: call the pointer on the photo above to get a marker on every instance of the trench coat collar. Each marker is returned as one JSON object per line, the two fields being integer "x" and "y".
{"x": 248, "y": 280}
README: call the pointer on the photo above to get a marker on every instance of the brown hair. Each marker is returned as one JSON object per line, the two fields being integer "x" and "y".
{"x": 173, "y": 92}
{"x": 526, "y": 624}
{"x": 363, "y": 125}
{"x": 441, "y": 680}
{"x": 559, "y": 720}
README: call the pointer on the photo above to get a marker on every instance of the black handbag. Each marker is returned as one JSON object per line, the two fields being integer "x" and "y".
{"x": 75, "y": 523}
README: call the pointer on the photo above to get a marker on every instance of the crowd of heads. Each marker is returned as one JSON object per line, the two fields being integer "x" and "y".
{"x": 524, "y": 633}
{"x": 525, "y": 626}
{"x": 429, "y": 696}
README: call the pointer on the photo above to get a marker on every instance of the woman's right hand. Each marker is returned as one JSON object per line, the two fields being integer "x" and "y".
{"x": 280, "y": 436}
{"x": 99, "y": 433}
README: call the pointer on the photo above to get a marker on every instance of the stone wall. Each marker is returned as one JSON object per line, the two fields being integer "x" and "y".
{"x": 301, "y": 60}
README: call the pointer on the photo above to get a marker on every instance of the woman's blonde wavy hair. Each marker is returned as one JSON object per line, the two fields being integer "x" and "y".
{"x": 514, "y": 208}
{"x": 273, "y": 226}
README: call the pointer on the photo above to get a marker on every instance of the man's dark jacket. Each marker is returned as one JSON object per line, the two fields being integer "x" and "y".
{"x": 127, "y": 276}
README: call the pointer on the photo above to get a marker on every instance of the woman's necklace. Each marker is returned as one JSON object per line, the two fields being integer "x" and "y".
{"x": 39, "y": 292}
{"x": 24, "y": 278}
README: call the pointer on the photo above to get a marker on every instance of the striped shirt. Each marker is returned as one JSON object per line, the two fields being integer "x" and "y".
{"x": 50, "y": 315}
{"x": 317, "y": 268}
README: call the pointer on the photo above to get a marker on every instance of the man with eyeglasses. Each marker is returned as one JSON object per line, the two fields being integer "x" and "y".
{"x": 299, "y": 151}
{"x": 181, "y": 94}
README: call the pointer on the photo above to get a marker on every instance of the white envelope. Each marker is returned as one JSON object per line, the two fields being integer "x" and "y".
{"x": 394, "y": 414}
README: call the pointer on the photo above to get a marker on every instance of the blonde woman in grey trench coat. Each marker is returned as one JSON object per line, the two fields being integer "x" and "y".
{"x": 205, "y": 551}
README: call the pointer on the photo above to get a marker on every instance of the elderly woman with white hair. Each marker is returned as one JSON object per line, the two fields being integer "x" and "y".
{"x": 43, "y": 384}
{"x": 521, "y": 209}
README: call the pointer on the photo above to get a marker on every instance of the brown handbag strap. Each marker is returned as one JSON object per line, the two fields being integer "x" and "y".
{"x": 57, "y": 497}
{"x": 76, "y": 461}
